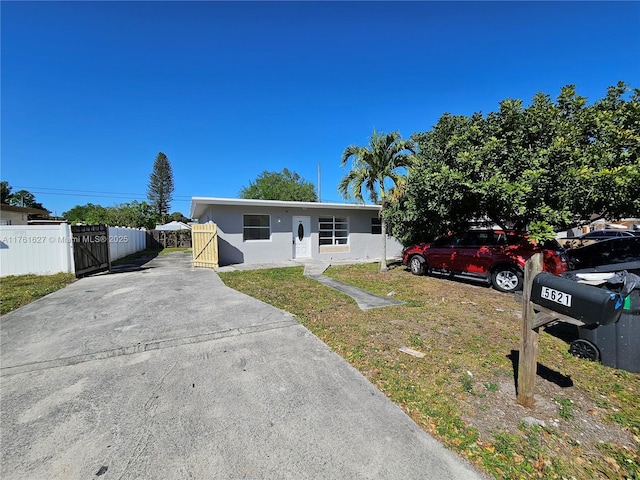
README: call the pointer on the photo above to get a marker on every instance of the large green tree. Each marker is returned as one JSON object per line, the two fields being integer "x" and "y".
{"x": 378, "y": 170}
{"x": 88, "y": 214}
{"x": 541, "y": 168}
{"x": 133, "y": 214}
{"x": 285, "y": 185}
{"x": 21, "y": 198}
{"x": 178, "y": 217}
{"x": 160, "y": 188}
{"x": 24, "y": 198}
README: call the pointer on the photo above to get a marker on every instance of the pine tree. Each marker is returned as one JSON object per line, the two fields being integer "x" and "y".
{"x": 160, "y": 191}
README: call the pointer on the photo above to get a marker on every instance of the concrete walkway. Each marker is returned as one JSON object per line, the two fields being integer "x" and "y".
{"x": 162, "y": 372}
{"x": 314, "y": 269}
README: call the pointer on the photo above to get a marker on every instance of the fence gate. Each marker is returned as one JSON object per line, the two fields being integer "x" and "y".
{"x": 90, "y": 249}
{"x": 204, "y": 239}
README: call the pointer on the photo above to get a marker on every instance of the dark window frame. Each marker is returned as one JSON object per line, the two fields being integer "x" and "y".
{"x": 376, "y": 226}
{"x": 249, "y": 231}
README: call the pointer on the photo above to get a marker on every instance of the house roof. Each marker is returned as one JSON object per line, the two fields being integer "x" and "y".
{"x": 12, "y": 208}
{"x": 200, "y": 204}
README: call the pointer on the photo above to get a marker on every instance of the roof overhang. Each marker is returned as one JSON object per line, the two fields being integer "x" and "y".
{"x": 200, "y": 204}
{"x": 13, "y": 208}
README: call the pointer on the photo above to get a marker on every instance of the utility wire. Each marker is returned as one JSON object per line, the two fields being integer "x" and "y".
{"x": 91, "y": 193}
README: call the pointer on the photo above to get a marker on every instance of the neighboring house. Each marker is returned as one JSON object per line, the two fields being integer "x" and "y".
{"x": 629, "y": 223}
{"x": 258, "y": 231}
{"x": 12, "y": 215}
{"x": 173, "y": 226}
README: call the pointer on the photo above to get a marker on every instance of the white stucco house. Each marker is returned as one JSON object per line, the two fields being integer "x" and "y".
{"x": 259, "y": 231}
{"x": 14, "y": 215}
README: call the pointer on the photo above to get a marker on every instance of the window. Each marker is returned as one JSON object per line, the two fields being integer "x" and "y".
{"x": 445, "y": 241}
{"x": 334, "y": 231}
{"x": 376, "y": 226}
{"x": 256, "y": 227}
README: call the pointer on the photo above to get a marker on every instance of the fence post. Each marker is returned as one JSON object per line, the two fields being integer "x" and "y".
{"x": 527, "y": 358}
{"x": 69, "y": 259}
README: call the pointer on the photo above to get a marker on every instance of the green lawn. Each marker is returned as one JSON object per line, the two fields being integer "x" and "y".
{"x": 586, "y": 423}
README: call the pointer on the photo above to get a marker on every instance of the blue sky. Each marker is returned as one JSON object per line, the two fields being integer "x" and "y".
{"x": 92, "y": 91}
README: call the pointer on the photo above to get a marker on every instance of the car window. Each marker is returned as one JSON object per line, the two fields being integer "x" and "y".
{"x": 469, "y": 239}
{"x": 501, "y": 239}
{"x": 487, "y": 238}
{"x": 444, "y": 241}
{"x": 514, "y": 239}
{"x": 461, "y": 240}
{"x": 479, "y": 238}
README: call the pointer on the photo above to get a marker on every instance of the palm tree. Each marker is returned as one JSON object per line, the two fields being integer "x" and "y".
{"x": 371, "y": 167}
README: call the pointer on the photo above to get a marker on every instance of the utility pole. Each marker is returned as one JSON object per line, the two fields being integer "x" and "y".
{"x": 319, "y": 195}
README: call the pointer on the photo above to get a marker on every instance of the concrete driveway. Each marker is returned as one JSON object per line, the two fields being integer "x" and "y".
{"x": 162, "y": 372}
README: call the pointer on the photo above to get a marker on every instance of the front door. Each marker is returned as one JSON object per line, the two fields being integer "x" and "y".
{"x": 301, "y": 237}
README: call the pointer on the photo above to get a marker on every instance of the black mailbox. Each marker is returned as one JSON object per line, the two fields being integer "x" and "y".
{"x": 591, "y": 305}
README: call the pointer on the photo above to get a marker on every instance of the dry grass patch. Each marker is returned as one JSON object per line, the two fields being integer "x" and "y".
{"x": 586, "y": 423}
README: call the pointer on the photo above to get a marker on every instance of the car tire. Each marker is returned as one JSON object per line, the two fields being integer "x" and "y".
{"x": 417, "y": 265}
{"x": 506, "y": 279}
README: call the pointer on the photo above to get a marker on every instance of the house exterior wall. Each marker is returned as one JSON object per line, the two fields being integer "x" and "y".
{"x": 362, "y": 244}
{"x": 13, "y": 218}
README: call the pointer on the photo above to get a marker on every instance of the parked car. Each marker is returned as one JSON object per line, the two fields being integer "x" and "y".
{"x": 603, "y": 234}
{"x": 494, "y": 256}
{"x": 597, "y": 236}
{"x": 606, "y": 252}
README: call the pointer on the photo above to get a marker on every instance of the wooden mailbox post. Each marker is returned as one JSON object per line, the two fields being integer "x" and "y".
{"x": 548, "y": 299}
{"x": 527, "y": 359}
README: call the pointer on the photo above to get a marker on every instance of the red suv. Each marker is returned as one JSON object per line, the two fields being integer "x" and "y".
{"x": 495, "y": 256}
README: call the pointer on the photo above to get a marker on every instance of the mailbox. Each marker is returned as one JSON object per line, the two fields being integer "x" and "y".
{"x": 591, "y": 305}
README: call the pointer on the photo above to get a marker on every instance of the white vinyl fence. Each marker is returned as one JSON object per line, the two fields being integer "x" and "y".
{"x": 38, "y": 249}
{"x": 124, "y": 241}
{"x": 48, "y": 249}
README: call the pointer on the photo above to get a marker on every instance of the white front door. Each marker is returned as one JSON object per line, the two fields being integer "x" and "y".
{"x": 301, "y": 237}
